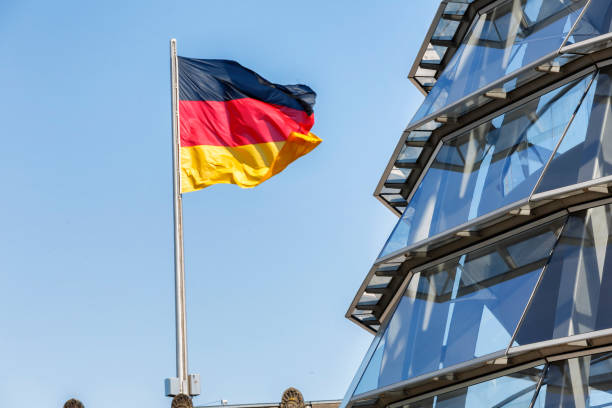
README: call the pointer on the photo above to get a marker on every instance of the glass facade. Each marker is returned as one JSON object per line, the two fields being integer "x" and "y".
{"x": 500, "y": 41}
{"x": 488, "y": 167}
{"x": 494, "y": 289}
{"x": 573, "y": 297}
{"x": 581, "y": 382}
{"x": 585, "y": 152}
{"x": 578, "y": 382}
{"x": 471, "y": 305}
{"x": 516, "y": 390}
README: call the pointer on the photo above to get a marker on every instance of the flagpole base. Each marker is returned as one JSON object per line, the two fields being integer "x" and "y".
{"x": 191, "y": 386}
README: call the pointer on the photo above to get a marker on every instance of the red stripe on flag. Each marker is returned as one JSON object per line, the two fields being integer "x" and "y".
{"x": 239, "y": 122}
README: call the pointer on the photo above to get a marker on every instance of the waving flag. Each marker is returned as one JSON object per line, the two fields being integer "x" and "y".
{"x": 236, "y": 127}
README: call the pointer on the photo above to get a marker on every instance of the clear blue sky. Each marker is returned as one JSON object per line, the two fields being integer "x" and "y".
{"x": 86, "y": 299}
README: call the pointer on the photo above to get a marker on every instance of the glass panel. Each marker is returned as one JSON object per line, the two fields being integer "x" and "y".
{"x": 456, "y": 8}
{"x": 464, "y": 308}
{"x": 585, "y": 154}
{"x": 426, "y": 81}
{"x": 364, "y": 317}
{"x": 389, "y": 190}
{"x": 445, "y": 30}
{"x": 418, "y": 136}
{"x": 584, "y": 382}
{"x": 393, "y": 198}
{"x": 369, "y": 379}
{"x": 514, "y": 390}
{"x": 369, "y": 298}
{"x": 597, "y": 20}
{"x": 506, "y": 38}
{"x": 409, "y": 154}
{"x": 398, "y": 175}
{"x": 515, "y": 81}
{"x": 493, "y": 165}
{"x": 434, "y": 54}
{"x": 425, "y": 72}
{"x": 573, "y": 297}
{"x": 379, "y": 280}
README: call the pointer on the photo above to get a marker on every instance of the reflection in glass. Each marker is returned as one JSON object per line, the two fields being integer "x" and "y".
{"x": 584, "y": 382}
{"x": 510, "y": 36}
{"x": 597, "y": 20}
{"x": 434, "y": 54}
{"x": 514, "y": 390}
{"x": 463, "y": 308}
{"x": 369, "y": 379}
{"x": 574, "y": 295}
{"x": 493, "y": 165}
{"x": 585, "y": 152}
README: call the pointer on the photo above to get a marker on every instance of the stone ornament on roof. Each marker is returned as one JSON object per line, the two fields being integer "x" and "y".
{"x": 73, "y": 403}
{"x": 182, "y": 401}
{"x": 292, "y": 398}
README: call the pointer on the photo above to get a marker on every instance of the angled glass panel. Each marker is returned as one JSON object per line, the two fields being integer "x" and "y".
{"x": 488, "y": 167}
{"x": 586, "y": 150}
{"x": 512, "y": 391}
{"x": 398, "y": 175}
{"x": 499, "y": 42}
{"x": 434, "y": 54}
{"x": 408, "y": 154}
{"x": 418, "y": 136}
{"x": 369, "y": 379}
{"x": 574, "y": 295}
{"x": 464, "y": 308}
{"x": 596, "y": 21}
{"x": 456, "y": 8}
{"x": 445, "y": 30}
{"x": 583, "y": 382}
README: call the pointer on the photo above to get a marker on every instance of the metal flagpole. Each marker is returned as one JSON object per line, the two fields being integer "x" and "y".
{"x": 184, "y": 383}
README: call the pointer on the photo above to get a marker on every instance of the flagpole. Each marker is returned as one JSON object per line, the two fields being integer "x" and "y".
{"x": 179, "y": 266}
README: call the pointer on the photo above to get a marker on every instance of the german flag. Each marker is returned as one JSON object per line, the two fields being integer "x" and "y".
{"x": 236, "y": 127}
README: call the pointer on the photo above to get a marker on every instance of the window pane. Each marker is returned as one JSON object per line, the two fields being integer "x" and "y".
{"x": 596, "y": 21}
{"x": 574, "y": 296}
{"x": 508, "y": 37}
{"x": 398, "y": 175}
{"x": 515, "y": 390}
{"x": 584, "y": 382}
{"x": 585, "y": 152}
{"x": 434, "y": 54}
{"x": 409, "y": 154}
{"x": 500, "y": 161}
{"x": 464, "y": 308}
{"x": 445, "y": 30}
{"x": 453, "y": 8}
